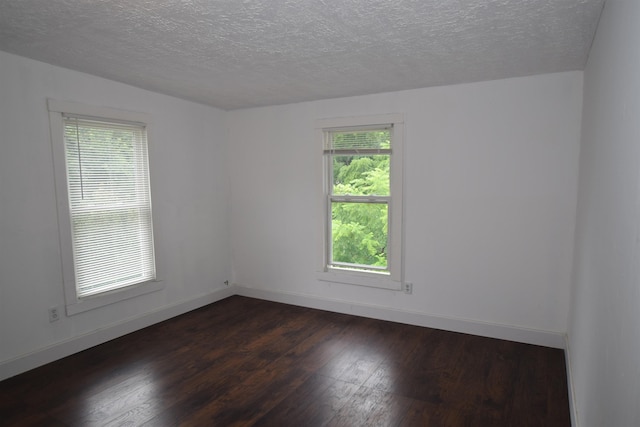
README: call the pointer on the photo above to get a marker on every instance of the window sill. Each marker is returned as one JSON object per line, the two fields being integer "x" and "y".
{"x": 96, "y": 301}
{"x": 371, "y": 280}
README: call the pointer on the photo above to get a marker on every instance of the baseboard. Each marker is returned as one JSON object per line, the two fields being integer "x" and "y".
{"x": 573, "y": 409}
{"x": 66, "y": 348}
{"x": 491, "y": 330}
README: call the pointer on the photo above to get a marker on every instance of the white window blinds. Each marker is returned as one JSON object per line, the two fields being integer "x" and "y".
{"x": 363, "y": 140}
{"x": 109, "y": 203}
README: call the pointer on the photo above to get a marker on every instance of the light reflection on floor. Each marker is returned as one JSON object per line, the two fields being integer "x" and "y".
{"x": 131, "y": 393}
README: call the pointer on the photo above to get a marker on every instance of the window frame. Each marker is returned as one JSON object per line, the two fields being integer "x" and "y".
{"x": 75, "y": 304}
{"x": 394, "y": 278}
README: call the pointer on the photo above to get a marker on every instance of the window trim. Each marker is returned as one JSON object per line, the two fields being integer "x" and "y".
{"x": 394, "y": 279}
{"x": 74, "y": 304}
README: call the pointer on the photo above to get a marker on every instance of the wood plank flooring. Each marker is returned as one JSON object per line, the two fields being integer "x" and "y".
{"x": 243, "y": 362}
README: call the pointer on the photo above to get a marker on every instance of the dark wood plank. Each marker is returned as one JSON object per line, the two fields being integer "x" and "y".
{"x": 244, "y": 361}
{"x": 313, "y": 403}
{"x": 371, "y": 407}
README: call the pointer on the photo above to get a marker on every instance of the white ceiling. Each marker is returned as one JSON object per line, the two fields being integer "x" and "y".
{"x": 244, "y": 53}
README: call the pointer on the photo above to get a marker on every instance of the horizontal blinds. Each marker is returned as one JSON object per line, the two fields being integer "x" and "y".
{"x": 110, "y": 204}
{"x": 360, "y": 141}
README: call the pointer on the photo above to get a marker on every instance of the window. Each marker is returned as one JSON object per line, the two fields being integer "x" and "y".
{"x": 104, "y": 199}
{"x": 362, "y": 200}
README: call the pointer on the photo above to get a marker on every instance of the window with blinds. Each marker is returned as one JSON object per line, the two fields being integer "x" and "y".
{"x": 361, "y": 232}
{"x": 109, "y": 203}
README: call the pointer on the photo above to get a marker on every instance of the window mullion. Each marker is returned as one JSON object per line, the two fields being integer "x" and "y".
{"x": 359, "y": 199}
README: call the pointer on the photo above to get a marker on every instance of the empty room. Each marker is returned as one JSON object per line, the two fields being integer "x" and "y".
{"x": 322, "y": 213}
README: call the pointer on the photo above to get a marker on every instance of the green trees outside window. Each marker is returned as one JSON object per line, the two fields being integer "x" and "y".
{"x": 360, "y": 198}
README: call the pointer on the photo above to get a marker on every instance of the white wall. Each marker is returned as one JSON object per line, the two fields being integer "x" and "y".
{"x": 190, "y": 193}
{"x": 604, "y": 331}
{"x": 491, "y": 184}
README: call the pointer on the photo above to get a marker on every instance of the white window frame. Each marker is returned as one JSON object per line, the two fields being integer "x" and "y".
{"x": 75, "y": 304}
{"x": 394, "y": 278}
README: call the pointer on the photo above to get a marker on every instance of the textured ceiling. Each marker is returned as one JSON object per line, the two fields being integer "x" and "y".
{"x": 236, "y": 54}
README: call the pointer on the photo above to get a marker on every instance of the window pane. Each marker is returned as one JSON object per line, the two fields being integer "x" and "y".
{"x": 361, "y": 175}
{"x": 359, "y": 233}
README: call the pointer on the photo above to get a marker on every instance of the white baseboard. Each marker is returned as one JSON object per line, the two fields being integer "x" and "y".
{"x": 491, "y": 330}
{"x": 573, "y": 409}
{"x": 68, "y": 347}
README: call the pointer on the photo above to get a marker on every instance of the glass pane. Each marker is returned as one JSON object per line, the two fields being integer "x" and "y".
{"x": 361, "y": 175}
{"x": 359, "y": 233}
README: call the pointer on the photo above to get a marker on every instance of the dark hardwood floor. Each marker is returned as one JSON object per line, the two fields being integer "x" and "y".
{"x": 243, "y": 361}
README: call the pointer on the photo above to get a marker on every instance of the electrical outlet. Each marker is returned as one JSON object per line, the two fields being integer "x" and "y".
{"x": 54, "y": 314}
{"x": 407, "y": 288}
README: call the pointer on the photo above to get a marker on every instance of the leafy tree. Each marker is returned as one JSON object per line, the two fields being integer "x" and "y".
{"x": 359, "y": 230}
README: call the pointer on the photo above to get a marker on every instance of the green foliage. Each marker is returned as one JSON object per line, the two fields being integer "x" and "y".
{"x": 359, "y": 232}
{"x": 359, "y": 229}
